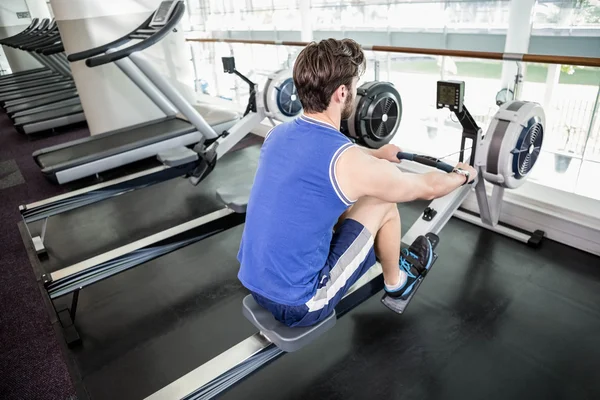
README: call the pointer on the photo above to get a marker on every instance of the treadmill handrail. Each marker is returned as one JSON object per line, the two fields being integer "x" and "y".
{"x": 144, "y": 44}
{"x": 49, "y": 39}
{"x": 57, "y": 48}
{"x": 26, "y": 31}
{"x": 33, "y": 34}
{"x": 34, "y": 37}
{"x": 82, "y": 55}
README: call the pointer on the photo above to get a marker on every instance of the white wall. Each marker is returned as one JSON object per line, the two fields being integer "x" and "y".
{"x": 110, "y": 100}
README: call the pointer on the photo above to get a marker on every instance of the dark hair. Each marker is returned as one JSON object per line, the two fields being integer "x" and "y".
{"x": 323, "y": 67}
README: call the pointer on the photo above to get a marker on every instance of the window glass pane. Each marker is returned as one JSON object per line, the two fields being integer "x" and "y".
{"x": 283, "y": 4}
{"x": 477, "y": 14}
{"x": 422, "y": 128}
{"x": 403, "y": 15}
{"x": 326, "y": 18}
{"x": 325, "y": 3}
{"x": 566, "y": 13}
{"x": 261, "y": 5}
{"x": 556, "y": 171}
{"x": 568, "y": 95}
{"x": 258, "y": 20}
{"x": 286, "y": 19}
{"x": 592, "y": 152}
{"x": 587, "y": 182}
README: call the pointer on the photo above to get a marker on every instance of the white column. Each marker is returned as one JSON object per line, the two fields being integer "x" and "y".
{"x": 15, "y": 16}
{"x": 38, "y": 8}
{"x": 517, "y": 38}
{"x": 110, "y": 99}
{"x": 551, "y": 83}
{"x": 306, "y": 35}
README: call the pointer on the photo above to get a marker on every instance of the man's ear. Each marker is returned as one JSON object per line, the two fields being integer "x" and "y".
{"x": 341, "y": 93}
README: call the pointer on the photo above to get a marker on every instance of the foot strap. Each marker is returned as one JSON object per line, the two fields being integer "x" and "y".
{"x": 416, "y": 263}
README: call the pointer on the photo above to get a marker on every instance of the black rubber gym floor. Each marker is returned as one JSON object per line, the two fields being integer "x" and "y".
{"x": 494, "y": 319}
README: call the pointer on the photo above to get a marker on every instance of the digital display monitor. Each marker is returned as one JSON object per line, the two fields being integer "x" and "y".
{"x": 163, "y": 13}
{"x": 447, "y": 95}
{"x": 450, "y": 94}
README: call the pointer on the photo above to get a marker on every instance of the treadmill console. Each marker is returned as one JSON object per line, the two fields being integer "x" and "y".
{"x": 451, "y": 94}
{"x": 163, "y": 13}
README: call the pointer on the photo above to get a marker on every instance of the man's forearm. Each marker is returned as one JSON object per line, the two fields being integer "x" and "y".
{"x": 443, "y": 183}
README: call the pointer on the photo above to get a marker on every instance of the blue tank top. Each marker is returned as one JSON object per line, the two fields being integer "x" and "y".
{"x": 294, "y": 204}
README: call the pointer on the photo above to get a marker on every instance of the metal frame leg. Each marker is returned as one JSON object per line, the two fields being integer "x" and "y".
{"x": 38, "y": 241}
{"x": 66, "y": 316}
{"x": 240, "y": 130}
{"x": 74, "y": 302}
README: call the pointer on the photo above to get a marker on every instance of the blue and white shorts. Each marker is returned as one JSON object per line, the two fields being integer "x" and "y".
{"x": 351, "y": 255}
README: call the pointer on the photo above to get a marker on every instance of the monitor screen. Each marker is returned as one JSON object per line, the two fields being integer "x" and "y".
{"x": 162, "y": 15}
{"x": 447, "y": 95}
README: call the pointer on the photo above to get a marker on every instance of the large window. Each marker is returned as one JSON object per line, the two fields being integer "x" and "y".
{"x": 569, "y": 95}
{"x": 555, "y": 17}
{"x": 571, "y": 147}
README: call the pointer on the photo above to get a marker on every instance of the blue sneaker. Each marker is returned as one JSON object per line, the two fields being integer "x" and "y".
{"x": 415, "y": 261}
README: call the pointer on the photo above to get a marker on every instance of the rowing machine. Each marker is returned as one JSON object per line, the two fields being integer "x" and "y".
{"x": 274, "y": 339}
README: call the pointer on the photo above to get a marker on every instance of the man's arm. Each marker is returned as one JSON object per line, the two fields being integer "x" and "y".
{"x": 360, "y": 174}
{"x": 371, "y": 152}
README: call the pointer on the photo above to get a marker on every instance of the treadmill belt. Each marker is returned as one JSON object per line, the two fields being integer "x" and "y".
{"x": 48, "y": 115}
{"x": 42, "y": 102}
{"x": 27, "y": 93}
{"x": 55, "y": 105}
{"x": 97, "y": 145}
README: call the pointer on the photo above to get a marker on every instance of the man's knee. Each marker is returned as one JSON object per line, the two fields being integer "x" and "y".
{"x": 393, "y": 212}
{"x": 373, "y": 213}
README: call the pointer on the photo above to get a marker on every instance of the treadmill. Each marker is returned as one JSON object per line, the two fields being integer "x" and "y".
{"x": 93, "y": 155}
{"x": 60, "y": 105}
{"x": 60, "y": 98}
{"x": 23, "y": 76}
{"x": 161, "y": 213}
{"x": 58, "y": 77}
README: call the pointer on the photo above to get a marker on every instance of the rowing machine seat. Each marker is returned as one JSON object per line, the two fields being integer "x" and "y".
{"x": 235, "y": 197}
{"x": 286, "y": 338}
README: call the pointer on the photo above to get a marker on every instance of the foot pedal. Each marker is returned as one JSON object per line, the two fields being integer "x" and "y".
{"x": 397, "y": 304}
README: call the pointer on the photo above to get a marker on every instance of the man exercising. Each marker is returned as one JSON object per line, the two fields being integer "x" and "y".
{"x": 322, "y": 209}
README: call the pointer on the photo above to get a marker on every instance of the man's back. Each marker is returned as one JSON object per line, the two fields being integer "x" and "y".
{"x": 293, "y": 207}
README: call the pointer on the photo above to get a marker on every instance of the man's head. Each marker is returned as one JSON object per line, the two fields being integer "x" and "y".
{"x": 326, "y": 74}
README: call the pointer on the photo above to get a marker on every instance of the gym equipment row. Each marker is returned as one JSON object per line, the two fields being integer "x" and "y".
{"x": 45, "y": 98}
{"x": 504, "y": 157}
{"x": 88, "y": 157}
{"x": 202, "y": 137}
{"x": 92, "y": 155}
{"x": 190, "y": 141}
{"x": 191, "y": 152}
